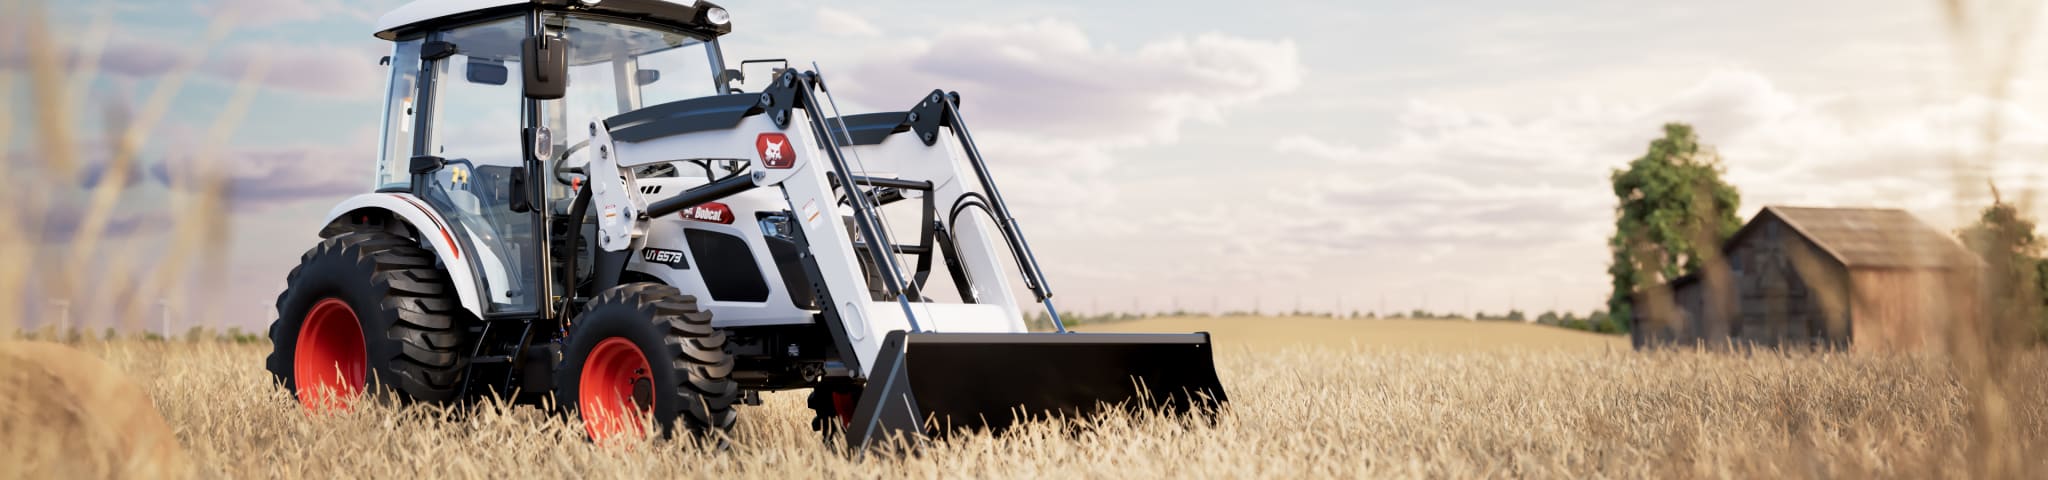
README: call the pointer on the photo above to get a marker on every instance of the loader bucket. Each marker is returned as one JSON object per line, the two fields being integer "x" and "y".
{"x": 935, "y": 383}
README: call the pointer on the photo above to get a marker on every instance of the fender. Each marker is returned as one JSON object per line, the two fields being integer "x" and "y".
{"x": 427, "y": 223}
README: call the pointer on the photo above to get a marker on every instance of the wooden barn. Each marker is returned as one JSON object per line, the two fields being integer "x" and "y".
{"x": 1853, "y": 278}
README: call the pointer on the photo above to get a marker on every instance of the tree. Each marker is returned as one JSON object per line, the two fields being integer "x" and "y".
{"x": 1673, "y": 213}
{"x": 2006, "y": 239}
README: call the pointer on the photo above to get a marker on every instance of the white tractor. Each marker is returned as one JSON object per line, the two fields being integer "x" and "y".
{"x": 578, "y": 201}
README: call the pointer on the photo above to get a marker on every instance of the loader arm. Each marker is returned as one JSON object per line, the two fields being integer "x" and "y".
{"x": 928, "y": 367}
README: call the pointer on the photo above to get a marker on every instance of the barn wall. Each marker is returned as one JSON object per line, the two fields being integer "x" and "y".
{"x": 1790, "y": 293}
{"x": 1907, "y": 309}
{"x": 1692, "y": 304}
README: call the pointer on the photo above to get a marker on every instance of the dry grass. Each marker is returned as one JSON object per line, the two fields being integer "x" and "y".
{"x": 66, "y": 414}
{"x": 1300, "y": 411}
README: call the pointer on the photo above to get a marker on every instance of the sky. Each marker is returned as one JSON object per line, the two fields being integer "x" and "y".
{"x": 1343, "y": 155}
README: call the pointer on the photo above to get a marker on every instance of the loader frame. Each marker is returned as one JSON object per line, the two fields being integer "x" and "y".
{"x": 794, "y": 91}
{"x": 890, "y": 407}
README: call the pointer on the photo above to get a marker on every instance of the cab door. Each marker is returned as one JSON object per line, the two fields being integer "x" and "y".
{"x": 474, "y": 111}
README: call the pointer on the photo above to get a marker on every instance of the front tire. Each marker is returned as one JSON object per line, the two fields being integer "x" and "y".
{"x": 646, "y": 347}
{"x": 368, "y": 309}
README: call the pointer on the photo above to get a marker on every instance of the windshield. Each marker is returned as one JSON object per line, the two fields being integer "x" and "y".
{"x": 617, "y": 67}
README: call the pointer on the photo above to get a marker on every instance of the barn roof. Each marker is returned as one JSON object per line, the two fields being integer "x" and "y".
{"x": 1869, "y": 237}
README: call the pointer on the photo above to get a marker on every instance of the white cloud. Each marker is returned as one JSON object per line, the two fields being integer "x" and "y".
{"x": 323, "y": 70}
{"x": 1048, "y": 78}
{"x": 274, "y": 12}
{"x": 834, "y": 21}
{"x": 316, "y": 69}
{"x": 1298, "y": 144}
{"x": 1471, "y": 194}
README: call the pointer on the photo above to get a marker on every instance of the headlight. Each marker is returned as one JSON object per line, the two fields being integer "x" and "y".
{"x": 717, "y": 16}
{"x": 588, "y": 3}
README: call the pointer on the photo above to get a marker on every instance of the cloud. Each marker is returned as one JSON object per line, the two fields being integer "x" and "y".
{"x": 1049, "y": 79}
{"x": 257, "y": 178}
{"x": 1304, "y": 145}
{"x": 1058, "y": 112}
{"x": 322, "y": 70}
{"x": 834, "y": 21}
{"x": 260, "y": 178}
{"x": 62, "y": 222}
{"x": 1476, "y": 182}
{"x": 276, "y": 12}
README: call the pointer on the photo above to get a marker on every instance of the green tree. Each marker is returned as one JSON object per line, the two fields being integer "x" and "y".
{"x": 2007, "y": 241}
{"x": 1673, "y": 213}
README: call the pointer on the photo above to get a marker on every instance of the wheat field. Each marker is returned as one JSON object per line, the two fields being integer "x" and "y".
{"x": 1311, "y": 398}
{"x": 1298, "y": 410}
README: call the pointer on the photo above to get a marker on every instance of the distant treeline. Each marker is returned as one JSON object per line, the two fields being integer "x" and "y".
{"x": 1598, "y": 321}
{"x": 192, "y": 335}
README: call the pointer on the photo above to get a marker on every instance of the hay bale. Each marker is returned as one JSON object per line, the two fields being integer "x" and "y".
{"x": 67, "y": 414}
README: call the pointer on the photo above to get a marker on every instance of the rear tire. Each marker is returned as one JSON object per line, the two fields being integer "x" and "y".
{"x": 682, "y": 370}
{"x": 375, "y": 309}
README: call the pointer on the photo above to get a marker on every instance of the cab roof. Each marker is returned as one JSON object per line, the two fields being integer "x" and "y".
{"x": 419, "y": 13}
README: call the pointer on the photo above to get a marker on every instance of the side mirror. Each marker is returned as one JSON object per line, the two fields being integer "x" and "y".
{"x": 644, "y": 77}
{"x": 546, "y": 61}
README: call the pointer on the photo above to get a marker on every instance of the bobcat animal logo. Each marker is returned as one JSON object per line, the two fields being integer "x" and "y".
{"x": 774, "y": 151}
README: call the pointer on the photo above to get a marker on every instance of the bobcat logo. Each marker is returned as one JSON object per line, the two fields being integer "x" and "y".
{"x": 713, "y": 212}
{"x": 774, "y": 154}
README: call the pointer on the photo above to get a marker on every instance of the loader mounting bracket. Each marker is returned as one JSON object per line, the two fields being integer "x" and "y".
{"x": 931, "y": 113}
{"x": 781, "y": 97}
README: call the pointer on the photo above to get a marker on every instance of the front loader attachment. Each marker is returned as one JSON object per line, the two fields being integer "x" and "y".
{"x": 935, "y": 383}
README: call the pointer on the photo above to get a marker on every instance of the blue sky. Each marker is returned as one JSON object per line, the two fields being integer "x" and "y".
{"x": 1368, "y": 155}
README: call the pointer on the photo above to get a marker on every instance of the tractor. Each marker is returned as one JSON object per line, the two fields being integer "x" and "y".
{"x": 578, "y": 204}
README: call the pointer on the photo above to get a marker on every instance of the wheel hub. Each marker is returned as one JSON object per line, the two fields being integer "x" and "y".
{"x": 328, "y": 360}
{"x": 616, "y": 389}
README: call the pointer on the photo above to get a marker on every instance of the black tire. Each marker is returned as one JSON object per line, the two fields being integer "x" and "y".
{"x": 690, "y": 370}
{"x": 414, "y": 329}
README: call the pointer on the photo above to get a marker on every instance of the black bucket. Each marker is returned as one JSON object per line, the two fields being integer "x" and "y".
{"x": 934, "y": 383}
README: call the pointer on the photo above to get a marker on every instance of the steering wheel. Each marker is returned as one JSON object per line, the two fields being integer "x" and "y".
{"x": 562, "y": 161}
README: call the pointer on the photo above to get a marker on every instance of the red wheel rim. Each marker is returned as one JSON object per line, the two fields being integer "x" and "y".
{"x": 616, "y": 380}
{"x": 844, "y": 403}
{"x": 328, "y": 361}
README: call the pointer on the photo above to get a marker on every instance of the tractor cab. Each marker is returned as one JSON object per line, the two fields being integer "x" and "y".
{"x": 484, "y": 96}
